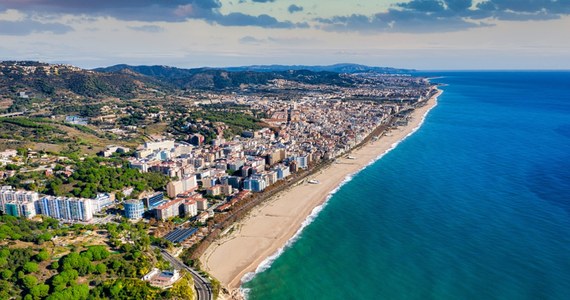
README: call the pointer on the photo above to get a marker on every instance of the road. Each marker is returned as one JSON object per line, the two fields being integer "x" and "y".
{"x": 14, "y": 114}
{"x": 201, "y": 284}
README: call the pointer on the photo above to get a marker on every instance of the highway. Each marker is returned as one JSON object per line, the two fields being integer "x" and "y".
{"x": 201, "y": 284}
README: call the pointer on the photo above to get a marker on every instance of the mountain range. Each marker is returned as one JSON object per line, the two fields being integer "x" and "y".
{"x": 124, "y": 81}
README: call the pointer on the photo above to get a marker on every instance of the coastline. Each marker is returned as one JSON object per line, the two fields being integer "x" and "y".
{"x": 253, "y": 243}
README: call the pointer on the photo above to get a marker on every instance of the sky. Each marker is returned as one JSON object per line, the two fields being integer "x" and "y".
{"x": 418, "y": 34}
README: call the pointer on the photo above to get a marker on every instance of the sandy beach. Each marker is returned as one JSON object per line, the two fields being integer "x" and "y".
{"x": 270, "y": 225}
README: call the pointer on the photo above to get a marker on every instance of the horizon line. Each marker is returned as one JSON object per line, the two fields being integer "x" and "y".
{"x": 307, "y": 65}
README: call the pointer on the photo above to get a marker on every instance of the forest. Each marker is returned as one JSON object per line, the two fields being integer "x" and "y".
{"x": 111, "y": 270}
{"x": 91, "y": 176}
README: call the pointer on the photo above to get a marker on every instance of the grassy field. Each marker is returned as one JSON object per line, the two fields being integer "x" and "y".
{"x": 47, "y": 135}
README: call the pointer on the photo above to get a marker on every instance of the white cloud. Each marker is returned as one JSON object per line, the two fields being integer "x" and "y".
{"x": 99, "y": 41}
{"x": 12, "y": 15}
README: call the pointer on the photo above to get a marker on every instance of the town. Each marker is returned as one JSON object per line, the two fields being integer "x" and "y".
{"x": 210, "y": 178}
{"x": 209, "y": 158}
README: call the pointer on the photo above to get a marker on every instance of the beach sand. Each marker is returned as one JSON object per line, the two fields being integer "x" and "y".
{"x": 270, "y": 225}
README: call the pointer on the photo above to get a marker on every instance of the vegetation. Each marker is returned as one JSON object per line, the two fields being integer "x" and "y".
{"x": 22, "y": 104}
{"x": 91, "y": 176}
{"x": 233, "y": 118}
{"x": 52, "y": 135}
{"x": 20, "y": 128}
{"x": 125, "y": 288}
{"x": 183, "y": 289}
{"x": 109, "y": 271}
{"x": 79, "y": 82}
{"x": 84, "y": 129}
{"x": 35, "y": 232}
{"x": 86, "y": 110}
{"x": 211, "y": 79}
{"x": 216, "y": 287}
{"x": 134, "y": 119}
{"x": 27, "y": 123}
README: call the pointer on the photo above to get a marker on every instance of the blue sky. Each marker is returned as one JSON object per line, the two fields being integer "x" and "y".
{"x": 422, "y": 34}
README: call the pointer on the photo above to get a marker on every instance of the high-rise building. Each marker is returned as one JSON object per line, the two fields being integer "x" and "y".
{"x": 185, "y": 184}
{"x": 170, "y": 209}
{"x": 134, "y": 209}
{"x": 18, "y": 203}
{"x": 275, "y": 157}
{"x": 282, "y": 171}
{"x": 102, "y": 201}
{"x": 66, "y": 209}
{"x": 20, "y": 209}
{"x": 154, "y": 200}
{"x": 190, "y": 208}
{"x": 271, "y": 177}
{"x": 255, "y": 183}
{"x": 234, "y": 181}
{"x": 167, "y": 144}
{"x": 302, "y": 161}
{"x": 201, "y": 203}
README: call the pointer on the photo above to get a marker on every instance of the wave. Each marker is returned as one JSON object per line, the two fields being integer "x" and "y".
{"x": 266, "y": 263}
{"x": 394, "y": 145}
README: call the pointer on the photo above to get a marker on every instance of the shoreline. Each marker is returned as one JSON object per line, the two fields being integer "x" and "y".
{"x": 255, "y": 242}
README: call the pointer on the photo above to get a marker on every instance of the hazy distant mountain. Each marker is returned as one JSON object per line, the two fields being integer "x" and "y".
{"x": 160, "y": 72}
{"x": 124, "y": 81}
{"x": 210, "y": 78}
{"x": 337, "y": 68}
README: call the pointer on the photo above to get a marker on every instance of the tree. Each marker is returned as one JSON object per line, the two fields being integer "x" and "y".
{"x": 77, "y": 262}
{"x": 129, "y": 289}
{"x": 97, "y": 253}
{"x": 101, "y": 268}
{"x": 7, "y": 274}
{"x": 29, "y": 281}
{"x": 40, "y": 291}
{"x": 60, "y": 281}
{"x": 44, "y": 237}
{"x": 183, "y": 288}
{"x": 30, "y": 267}
{"x": 76, "y": 292}
{"x": 5, "y": 289}
{"x": 42, "y": 256}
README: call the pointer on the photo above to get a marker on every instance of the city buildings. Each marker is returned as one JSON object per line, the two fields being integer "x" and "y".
{"x": 102, "y": 201}
{"x": 18, "y": 203}
{"x": 66, "y": 209}
{"x": 190, "y": 208}
{"x": 154, "y": 200}
{"x": 170, "y": 209}
{"x": 185, "y": 184}
{"x": 255, "y": 183}
{"x": 134, "y": 209}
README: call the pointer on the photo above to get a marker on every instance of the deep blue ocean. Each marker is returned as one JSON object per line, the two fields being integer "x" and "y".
{"x": 474, "y": 205}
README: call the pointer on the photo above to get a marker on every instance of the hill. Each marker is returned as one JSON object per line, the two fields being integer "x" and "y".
{"x": 219, "y": 79}
{"x": 56, "y": 80}
{"x": 344, "y": 68}
{"x": 126, "y": 82}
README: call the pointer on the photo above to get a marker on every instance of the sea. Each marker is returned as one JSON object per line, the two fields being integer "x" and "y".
{"x": 474, "y": 205}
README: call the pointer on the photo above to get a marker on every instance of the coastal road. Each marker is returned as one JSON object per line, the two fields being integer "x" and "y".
{"x": 201, "y": 284}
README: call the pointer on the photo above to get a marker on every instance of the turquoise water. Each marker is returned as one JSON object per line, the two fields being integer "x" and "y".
{"x": 474, "y": 205}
